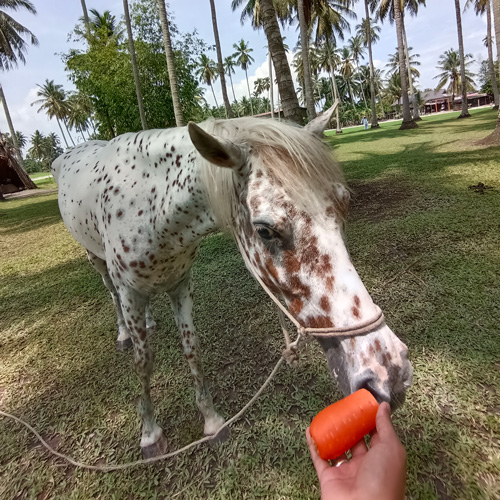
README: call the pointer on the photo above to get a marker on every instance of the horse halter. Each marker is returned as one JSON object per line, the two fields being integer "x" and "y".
{"x": 348, "y": 331}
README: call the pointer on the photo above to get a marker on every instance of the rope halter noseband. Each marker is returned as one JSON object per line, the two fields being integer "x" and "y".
{"x": 290, "y": 352}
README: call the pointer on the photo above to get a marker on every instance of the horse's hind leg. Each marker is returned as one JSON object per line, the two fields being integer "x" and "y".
{"x": 123, "y": 341}
{"x": 182, "y": 305}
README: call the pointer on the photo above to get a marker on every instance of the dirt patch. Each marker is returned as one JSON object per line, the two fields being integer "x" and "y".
{"x": 377, "y": 200}
{"x": 29, "y": 193}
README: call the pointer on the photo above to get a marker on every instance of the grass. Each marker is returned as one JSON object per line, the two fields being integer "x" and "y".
{"x": 426, "y": 246}
{"x": 36, "y": 175}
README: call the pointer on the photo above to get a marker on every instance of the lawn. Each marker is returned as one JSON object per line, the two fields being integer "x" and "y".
{"x": 428, "y": 250}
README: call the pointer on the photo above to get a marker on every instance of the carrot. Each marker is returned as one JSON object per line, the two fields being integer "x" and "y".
{"x": 341, "y": 425}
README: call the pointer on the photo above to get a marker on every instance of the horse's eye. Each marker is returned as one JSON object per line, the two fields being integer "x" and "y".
{"x": 266, "y": 233}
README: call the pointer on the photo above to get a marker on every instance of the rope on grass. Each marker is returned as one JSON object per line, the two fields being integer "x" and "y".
{"x": 128, "y": 465}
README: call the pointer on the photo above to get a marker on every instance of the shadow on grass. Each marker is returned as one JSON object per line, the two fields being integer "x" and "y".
{"x": 23, "y": 217}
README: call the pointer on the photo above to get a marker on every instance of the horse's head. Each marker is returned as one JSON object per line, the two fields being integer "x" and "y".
{"x": 287, "y": 206}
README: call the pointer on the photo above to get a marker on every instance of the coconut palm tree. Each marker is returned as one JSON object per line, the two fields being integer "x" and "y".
{"x": 481, "y": 7}
{"x": 244, "y": 59}
{"x": 306, "y": 66}
{"x": 80, "y": 112}
{"x": 37, "y": 146}
{"x": 289, "y": 101}
{"x": 220, "y": 65}
{"x": 229, "y": 69}
{"x": 465, "y": 108}
{"x": 347, "y": 70}
{"x": 135, "y": 69}
{"x": 369, "y": 34}
{"x": 451, "y": 75}
{"x": 394, "y": 11}
{"x": 172, "y": 76}
{"x": 104, "y": 28}
{"x": 357, "y": 49}
{"x": 411, "y": 61}
{"x": 53, "y": 102}
{"x": 207, "y": 73}
{"x": 13, "y": 47}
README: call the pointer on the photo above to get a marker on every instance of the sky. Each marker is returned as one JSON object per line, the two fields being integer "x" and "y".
{"x": 430, "y": 33}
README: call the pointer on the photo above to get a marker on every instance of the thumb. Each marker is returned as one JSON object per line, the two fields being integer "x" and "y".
{"x": 385, "y": 430}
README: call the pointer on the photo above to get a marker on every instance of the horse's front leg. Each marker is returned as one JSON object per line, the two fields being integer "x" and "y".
{"x": 134, "y": 306}
{"x": 182, "y": 305}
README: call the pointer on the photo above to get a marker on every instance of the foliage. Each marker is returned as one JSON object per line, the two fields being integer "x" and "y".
{"x": 13, "y": 45}
{"x": 104, "y": 73}
{"x": 450, "y": 77}
{"x": 43, "y": 151}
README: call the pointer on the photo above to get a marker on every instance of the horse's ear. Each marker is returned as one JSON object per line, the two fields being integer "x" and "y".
{"x": 319, "y": 124}
{"x": 220, "y": 152}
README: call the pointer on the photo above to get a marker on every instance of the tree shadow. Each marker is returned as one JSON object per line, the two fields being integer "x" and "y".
{"x": 28, "y": 215}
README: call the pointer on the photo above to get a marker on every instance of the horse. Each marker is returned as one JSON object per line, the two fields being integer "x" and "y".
{"x": 141, "y": 204}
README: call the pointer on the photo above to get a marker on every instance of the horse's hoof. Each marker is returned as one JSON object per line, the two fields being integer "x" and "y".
{"x": 155, "y": 449}
{"x": 221, "y": 437}
{"x": 124, "y": 345}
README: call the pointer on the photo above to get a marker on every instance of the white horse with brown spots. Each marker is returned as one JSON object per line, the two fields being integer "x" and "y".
{"x": 142, "y": 203}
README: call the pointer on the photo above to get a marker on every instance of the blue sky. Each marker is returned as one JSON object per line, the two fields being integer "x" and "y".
{"x": 431, "y": 33}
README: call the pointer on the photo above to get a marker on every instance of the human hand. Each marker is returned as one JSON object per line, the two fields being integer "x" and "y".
{"x": 378, "y": 473}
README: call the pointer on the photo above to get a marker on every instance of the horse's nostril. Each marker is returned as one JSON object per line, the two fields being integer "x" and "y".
{"x": 370, "y": 385}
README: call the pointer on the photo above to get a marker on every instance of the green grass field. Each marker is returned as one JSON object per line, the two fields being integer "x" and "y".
{"x": 428, "y": 250}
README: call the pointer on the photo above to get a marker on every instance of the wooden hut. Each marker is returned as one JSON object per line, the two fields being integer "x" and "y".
{"x": 12, "y": 177}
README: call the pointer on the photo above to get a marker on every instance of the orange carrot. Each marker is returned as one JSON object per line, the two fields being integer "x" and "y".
{"x": 341, "y": 425}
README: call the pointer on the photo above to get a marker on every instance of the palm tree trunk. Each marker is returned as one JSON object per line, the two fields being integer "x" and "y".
{"x": 86, "y": 18}
{"x": 249, "y": 94}
{"x": 215, "y": 99}
{"x": 172, "y": 77}
{"x": 372, "y": 70}
{"x": 62, "y": 133}
{"x": 234, "y": 96}
{"x": 229, "y": 111}
{"x": 140, "y": 102}
{"x": 11, "y": 128}
{"x": 304, "y": 40}
{"x": 491, "y": 65}
{"x": 69, "y": 134}
{"x": 271, "y": 88}
{"x": 407, "y": 119}
{"x": 289, "y": 101}
{"x": 335, "y": 89}
{"x": 465, "y": 109}
{"x": 416, "y": 115}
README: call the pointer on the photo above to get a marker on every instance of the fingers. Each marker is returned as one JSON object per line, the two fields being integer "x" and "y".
{"x": 359, "y": 449}
{"x": 319, "y": 464}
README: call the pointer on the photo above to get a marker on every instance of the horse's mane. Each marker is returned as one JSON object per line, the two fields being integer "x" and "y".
{"x": 300, "y": 162}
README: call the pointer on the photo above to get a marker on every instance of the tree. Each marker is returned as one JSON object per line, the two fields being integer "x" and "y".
{"x": 13, "y": 47}
{"x": 220, "y": 65}
{"x": 481, "y": 7}
{"x": 44, "y": 150}
{"x": 135, "y": 70}
{"x": 411, "y": 62}
{"x": 465, "y": 108}
{"x": 53, "y": 102}
{"x": 369, "y": 36}
{"x": 289, "y": 101}
{"x": 229, "y": 69}
{"x": 244, "y": 59}
{"x": 207, "y": 73}
{"x": 451, "y": 75}
{"x": 20, "y": 140}
{"x": 357, "y": 49}
{"x": 407, "y": 118}
{"x": 174, "y": 86}
{"x": 304, "y": 38}
{"x": 347, "y": 70}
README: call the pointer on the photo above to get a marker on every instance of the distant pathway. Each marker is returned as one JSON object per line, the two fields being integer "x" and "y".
{"x": 28, "y": 193}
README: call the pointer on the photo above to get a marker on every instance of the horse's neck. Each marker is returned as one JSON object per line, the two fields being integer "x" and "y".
{"x": 185, "y": 209}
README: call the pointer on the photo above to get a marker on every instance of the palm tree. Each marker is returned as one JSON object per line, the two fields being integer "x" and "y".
{"x": 451, "y": 76}
{"x": 306, "y": 66}
{"x": 80, "y": 112}
{"x": 53, "y": 102}
{"x": 244, "y": 59}
{"x": 411, "y": 61}
{"x": 13, "y": 47}
{"x": 172, "y": 76}
{"x": 229, "y": 69}
{"x": 220, "y": 66}
{"x": 369, "y": 35}
{"x": 289, "y": 101}
{"x": 135, "y": 70}
{"x": 207, "y": 73}
{"x": 103, "y": 28}
{"x": 357, "y": 49}
{"x": 465, "y": 108}
{"x": 482, "y": 6}
{"x": 37, "y": 145}
{"x": 347, "y": 70}
{"x": 86, "y": 20}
